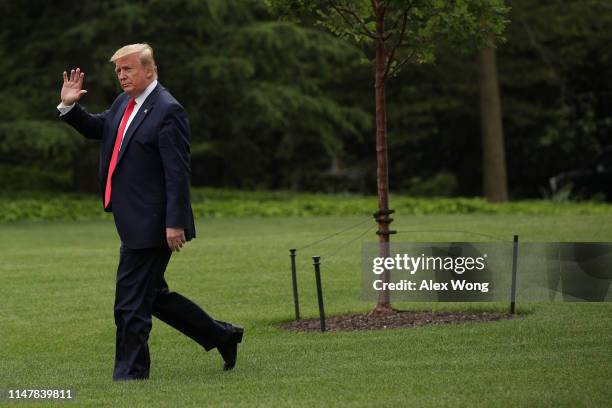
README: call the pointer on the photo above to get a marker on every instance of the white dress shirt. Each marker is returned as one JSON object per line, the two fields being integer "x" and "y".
{"x": 64, "y": 109}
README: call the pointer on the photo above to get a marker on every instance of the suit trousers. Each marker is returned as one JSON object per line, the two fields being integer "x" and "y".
{"x": 142, "y": 291}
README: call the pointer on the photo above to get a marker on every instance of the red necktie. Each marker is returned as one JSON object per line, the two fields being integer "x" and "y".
{"x": 113, "y": 161}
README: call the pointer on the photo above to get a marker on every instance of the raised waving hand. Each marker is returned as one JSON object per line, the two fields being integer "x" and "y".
{"x": 72, "y": 90}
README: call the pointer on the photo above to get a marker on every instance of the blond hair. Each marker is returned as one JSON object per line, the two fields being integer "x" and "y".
{"x": 144, "y": 51}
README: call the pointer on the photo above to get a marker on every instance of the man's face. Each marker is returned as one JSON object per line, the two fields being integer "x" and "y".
{"x": 132, "y": 76}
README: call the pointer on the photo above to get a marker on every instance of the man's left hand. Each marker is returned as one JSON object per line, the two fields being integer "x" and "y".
{"x": 175, "y": 237}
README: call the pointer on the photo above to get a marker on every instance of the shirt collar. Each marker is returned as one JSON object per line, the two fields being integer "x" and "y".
{"x": 141, "y": 98}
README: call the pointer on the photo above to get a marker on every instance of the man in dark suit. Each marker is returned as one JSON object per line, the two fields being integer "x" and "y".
{"x": 144, "y": 177}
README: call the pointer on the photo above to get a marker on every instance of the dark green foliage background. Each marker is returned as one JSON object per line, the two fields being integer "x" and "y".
{"x": 274, "y": 105}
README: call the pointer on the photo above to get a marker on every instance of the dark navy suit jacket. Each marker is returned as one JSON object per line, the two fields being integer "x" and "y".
{"x": 150, "y": 184}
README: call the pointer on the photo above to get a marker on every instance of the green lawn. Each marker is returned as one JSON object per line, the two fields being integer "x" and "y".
{"x": 57, "y": 331}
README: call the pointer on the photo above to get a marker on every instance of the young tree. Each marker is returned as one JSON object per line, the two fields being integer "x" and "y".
{"x": 394, "y": 33}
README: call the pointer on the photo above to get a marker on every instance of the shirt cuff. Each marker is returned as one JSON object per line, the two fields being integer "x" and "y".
{"x": 64, "y": 109}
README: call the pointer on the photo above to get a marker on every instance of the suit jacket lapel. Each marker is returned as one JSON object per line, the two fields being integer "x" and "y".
{"x": 141, "y": 115}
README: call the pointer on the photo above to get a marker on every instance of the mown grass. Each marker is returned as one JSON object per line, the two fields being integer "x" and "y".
{"x": 56, "y": 325}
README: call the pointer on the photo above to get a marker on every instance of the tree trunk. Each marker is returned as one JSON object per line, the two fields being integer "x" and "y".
{"x": 494, "y": 181}
{"x": 383, "y": 306}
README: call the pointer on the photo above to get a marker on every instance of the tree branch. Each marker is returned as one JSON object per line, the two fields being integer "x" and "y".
{"x": 364, "y": 29}
{"x": 400, "y": 39}
{"x": 390, "y": 32}
{"x": 399, "y": 66}
{"x": 396, "y": 22}
{"x": 358, "y": 18}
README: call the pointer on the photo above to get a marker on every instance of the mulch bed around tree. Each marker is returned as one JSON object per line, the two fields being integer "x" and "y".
{"x": 395, "y": 320}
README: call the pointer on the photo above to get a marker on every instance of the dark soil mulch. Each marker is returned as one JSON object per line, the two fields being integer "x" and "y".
{"x": 393, "y": 321}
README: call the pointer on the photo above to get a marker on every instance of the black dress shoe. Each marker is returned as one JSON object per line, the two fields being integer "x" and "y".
{"x": 229, "y": 349}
